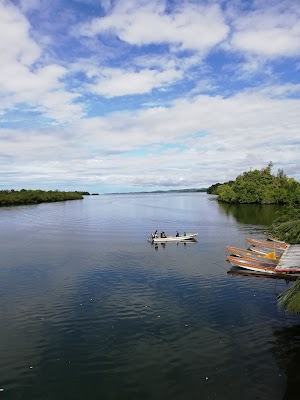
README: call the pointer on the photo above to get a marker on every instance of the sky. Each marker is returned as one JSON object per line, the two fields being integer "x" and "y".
{"x": 142, "y": 95}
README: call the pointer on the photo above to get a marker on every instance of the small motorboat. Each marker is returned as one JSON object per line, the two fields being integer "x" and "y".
{"x": 181, "y": 238}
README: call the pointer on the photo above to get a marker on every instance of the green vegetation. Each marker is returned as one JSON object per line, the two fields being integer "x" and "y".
{"x": 14, "y": 197}
{"x": 213, "y": 189}
{"x": 287, "y": 228}
{"x": 262, "y": 187}
{"x": 259, "y": 187}
{"x": 287, "y": 225}
{"x": 288, "y": 231}
{"x": 83, "y": 193}
{"x": 289, "y": 300}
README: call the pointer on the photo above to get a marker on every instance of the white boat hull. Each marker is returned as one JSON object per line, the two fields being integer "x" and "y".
{"x": 180, "y": 238}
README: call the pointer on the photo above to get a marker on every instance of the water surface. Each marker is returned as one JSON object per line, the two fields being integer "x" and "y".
{"x": 90, "y": 309}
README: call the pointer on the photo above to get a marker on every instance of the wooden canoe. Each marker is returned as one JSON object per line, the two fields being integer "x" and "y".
{"x": 268, "y": 244}
{"x": 252, "y": 266}
{"x": 268, "y": 257}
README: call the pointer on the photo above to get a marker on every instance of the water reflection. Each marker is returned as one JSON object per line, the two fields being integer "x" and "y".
{"x": 287, "y": 355}
{"x": 251, "y": 213}
{"x": 98, "y": 312}
{"x": 157, "y": 246}
{"x": 236, "y": 271}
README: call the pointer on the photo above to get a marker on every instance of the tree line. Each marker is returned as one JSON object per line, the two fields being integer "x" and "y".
{"x": 21, "y": 197}
{"x": 263, "y": 187}
{"x": 260, "y": 187}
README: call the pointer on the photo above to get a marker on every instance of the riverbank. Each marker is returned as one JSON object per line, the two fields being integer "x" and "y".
{"x": 23, "y": 197}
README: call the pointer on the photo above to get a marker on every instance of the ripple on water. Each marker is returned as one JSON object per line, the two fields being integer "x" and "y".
{"x": 99, "y": 312}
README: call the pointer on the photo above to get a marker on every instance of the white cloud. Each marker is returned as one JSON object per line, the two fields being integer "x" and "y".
{"x": 15, "y": 42}
{"x": 188, "y": 143}
{"x": 190, "y": 140}
{"x": 22, "y": 78}
{"x": 139, "y": 75}
{"x": 247, "y": 130}
{"x": 268, "y": 32}
{"x": 26, "y": 85}
{"x": 117, "y": 82}
{"x": 191, "y": 26}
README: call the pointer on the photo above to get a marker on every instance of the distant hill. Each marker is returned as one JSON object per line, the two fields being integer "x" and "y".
{"x": 165, "y": 191}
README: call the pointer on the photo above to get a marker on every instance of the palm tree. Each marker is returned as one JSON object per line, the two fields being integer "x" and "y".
{"x": 289, "y": 300}
{"x": 288, "y": 231}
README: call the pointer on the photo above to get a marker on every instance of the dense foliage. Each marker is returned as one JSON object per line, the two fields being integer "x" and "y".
{"x": 288, "y": 231}
{"x": 260, "y": 187}
{"x": 14, "y": 197}
{"x": 287, "y": 225}
{"x": 287, "y": 228}
{"x": 289, "y": 300}
{"x": 213, "y": 189}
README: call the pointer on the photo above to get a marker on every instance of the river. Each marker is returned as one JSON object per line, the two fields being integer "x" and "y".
{"x": 91, "y": 310}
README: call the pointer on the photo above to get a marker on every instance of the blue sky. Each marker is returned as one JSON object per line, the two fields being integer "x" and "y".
{"x": 133, "y": 95}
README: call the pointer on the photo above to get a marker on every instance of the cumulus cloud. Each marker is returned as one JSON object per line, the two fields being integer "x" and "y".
{"x": 139, "y": 75}
{"x": 116, "y": 82}
{"x": 22, "y": 77}
{"x": 192, "y": 123}
{"x": 185, "y": 145}
{"x": 16, "y": 43}
{"x": 270, "y": 32}
{"x": 191, "y": 26}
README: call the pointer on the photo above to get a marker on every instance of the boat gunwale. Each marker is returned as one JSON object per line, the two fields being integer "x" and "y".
{"x": 240, "y": 261}
{"x": 270, "y": 244}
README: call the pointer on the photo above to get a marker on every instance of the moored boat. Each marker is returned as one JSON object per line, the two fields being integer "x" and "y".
{"x": 264, "y": 251}
{"x": 268, "y": 244}
{"x": 257, "y": 260}
{"x": 272, "y": 239}
{"x": 252, "y": 266}
{"x": 269, "y": 256}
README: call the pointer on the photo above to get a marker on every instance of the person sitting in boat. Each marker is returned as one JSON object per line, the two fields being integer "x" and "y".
{"x": 177, "y": 234}
{"x": 163, "y": 235}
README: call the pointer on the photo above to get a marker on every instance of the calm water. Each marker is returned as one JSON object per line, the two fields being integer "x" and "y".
{"x": 91, "y": 310}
